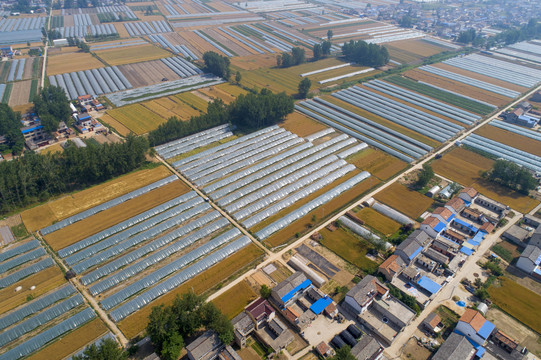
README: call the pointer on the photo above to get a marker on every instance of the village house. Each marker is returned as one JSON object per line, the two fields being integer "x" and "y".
{"x": 412, "y": 246}
{"x": 392, "y": 267}
{"x": 474, "y": 326}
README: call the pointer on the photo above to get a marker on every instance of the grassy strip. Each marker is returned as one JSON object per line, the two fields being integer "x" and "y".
{"x": 246, "y": 31}
{"x": 7, "y": 93}
{"x": 219, "y": 43}
{"x": 5, "y": 70}
{"x": 503, "y": 253}
{"x": 35, "y": 67}
{"x": 33, "y": 90}
{"x": 278, "y": 35}
{"x": 466, "y": 104}
{"x": 149, "y": 95}
{"x": 338, "y": 26}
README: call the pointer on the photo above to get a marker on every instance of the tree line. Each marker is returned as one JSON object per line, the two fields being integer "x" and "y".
{"x": 187, "y": 315}
{"x": 250, "y": 111}
{"x": 510, "y": 35}
{"x": 10, "y": 128}
{"x": 34, "y": 177}
{"x": 366, "y": 54}
{"x": 296, "y": 57}
{"x": 513, "y": 176}
{"x": 52, "y": 106}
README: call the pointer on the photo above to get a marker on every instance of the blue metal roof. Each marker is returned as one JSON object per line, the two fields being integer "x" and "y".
{"x": 306, "y": 283}
{"x": 466, "y": 225}
{"x": 441, "y": 226}
{"x": 479, "y": 236}
{"x": 466, "y": 251}
{"x": 480, "y": 352}
{"x": 537, "y": 271}
{"x": 486, "y": 329}
{"x": 85, "y": 117}
{"x": 416, "y": 253}
{"x": 428, "y": 285}
{"x": 320, "y": 305}
{"x": 25, "y": 131}
{"x": 451, "y": 218}
{"x": 473, "y": 242}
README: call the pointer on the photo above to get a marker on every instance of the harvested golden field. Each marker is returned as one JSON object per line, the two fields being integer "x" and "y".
{"x": 20, "y": 93}
{"x": 377, "y": 163}
{"x": 484, "y": 78}
{"x": 131, "y": 54}
{"x": 511, "y": 139}
{"x": 301, "y": 124}
{"x": 72, "y": 342}
{"x": 455, "y": 86}
{"x": 137, "y": 118}
{"x": 231, "y": 89}
{"x": 416, "y": 46}
{"x": 465, "y": 167}
{"x": 107, "y": 218}
{"x": 137, "y": 322}
{"x": 109, "y": 121}
{"x": 253, "y": 62}
{"x": 305, "y": 223}
{"x": 44, "y": 281}
{"x": 349, "y": 247}
{"x": 121, "y": 30}
{"x": 192, "y": 100}
{"x": 78, "y": 61}
{"x": 52, "y": 149}
{"x": 147, "y": 73}
{"x": 408, "y": 202}
{"x": 176, "y": 106}
{"x": 215, "y": 93}
{"x": 378, "y": 222}
{"x": 44, "y": 215}
{"x": 389, "y": 124}
{"x": 233, "y": 301}
{"x": 518, "y": 301}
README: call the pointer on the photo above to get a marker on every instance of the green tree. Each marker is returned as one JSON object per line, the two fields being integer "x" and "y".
{"x": 172, "y": 347}
{"x": 304, "y": 87}
{"x": 238, "y": 77}
{"x": 161, "y": 326}
{"x": 217, "y": 64}
{"x": 108, "y": 349}
{"x": 366, "y": 54}
{"x": 298, "y": 55}
{"x": 512, "y": 176}
{"x": 286, "y": 60}
{"x": 326, "y": 48}
{"x": 344, "y": 353}
{"x": 52, "y": 106}
{"x": 317, "y": 51}
{"x": 329, "y": 34}
{"x": 425, "y": 175}
{"x": 10, "y": 128}
{"x": 466, "y": 37}
{"x": 265, "y": 292}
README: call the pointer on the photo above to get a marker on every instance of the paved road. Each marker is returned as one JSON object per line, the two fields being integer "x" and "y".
{"x": 45, "y": 51}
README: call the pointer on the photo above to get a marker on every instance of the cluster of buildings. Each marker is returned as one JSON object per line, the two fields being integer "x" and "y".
{"x": 421, "y": 264}
{"x": 524, "y": 115}
{"x": 528, "y": 238}
{"x": 82, "y": 119}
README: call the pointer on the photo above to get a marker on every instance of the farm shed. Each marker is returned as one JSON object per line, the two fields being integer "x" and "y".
{"x": 530, "y": 259}
{"x": 531, "y": 220}
{"x": 536, "y": 237}
{"x": 516, "y": 235}
{"x": 392, "y": 213}
{"x": 433, "y": 191}
{"x": 311, "y": 274}
{"x": 456, "y": 347}
{"x": 410, "y": 248}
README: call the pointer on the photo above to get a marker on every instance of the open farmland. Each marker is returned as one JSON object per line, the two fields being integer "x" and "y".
{"x": 147, "y": 73}
{"x": 518, "y": 301}
{"x": 511, "y": 139}
{"x": 102, "y": 220}
{"x": 200, "y": 284}
{"x": 77, "y": 61}
{"x": 417, "y": 48}
{"x": 132, "y": 54}
{"x": 302, "y": 125}
{"x": 233, "y": 301}
{"x": 46, "y": 214}
{"x": 137, "y": 118}
{"x": 376, "y": 162}
{"x": 258, "y": 177}
{"x": 408, "y": 202}
{"x": 20, "y": 93}
{"x": 465, "y": 167}
{"x": 253, "y": 62}
{"x": 455, "y": 86}
{"x": 349, "y": 247}
{"x": 378, "y": 222}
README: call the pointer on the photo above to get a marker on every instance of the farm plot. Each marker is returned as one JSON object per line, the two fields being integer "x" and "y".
{"x": 20, "y": 93}
{"x": 233, "y": 301}
{"x": 356, "y": 126}
{"x": 378, "y": 222}
{"x": 137, "y": 118}
{"x": 147, "y": 73}
{"x": 164, "y": 89}
{"x": 457, "y": 87}
{"x": 455, "y": 99}
{"x": 54, "y": 211}
{"x": 93, "y": 82}
{"x": 500, "y": 150}
{"x": 133, "y": 262}
{"x": 518, "y": 301}
{"x": 302, "y": 125}
{"x": 465, "y": 167}
{"x": 132, "y": 54}
{"x": 103, "y": 220}
{"x": 349, "y": 247}
{"x": 258, "y": 177}
{"x": 510, "y": 138}
{"x": 400, "y": 198}
{"x": 79, "y": 61}
{"x": 417, "y": 47}
{"x": 378, "y": 163}
{"x": 253, "y": 62}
